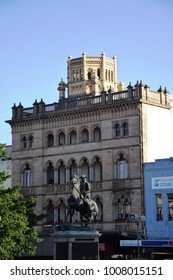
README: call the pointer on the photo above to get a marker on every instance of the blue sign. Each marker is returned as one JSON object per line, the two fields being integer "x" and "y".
{"x": 162, "y": 182}
{"x": 146, "y": 243}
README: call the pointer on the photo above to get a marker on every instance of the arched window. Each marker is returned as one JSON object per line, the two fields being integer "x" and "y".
{"x": 117, "y": 130}
{"x": 99, "y": 216}
{"x": 85, "y": 135}
{"x": 121, "y": 207}
{"x": 73, "y": 137}
{"x": 61, "y": 211}
{"x": 85, "y": 168}
{"x": 50, "y": 174}
{"x": 31, "y": 141}
{"x": 73, "y": 168}
{"x": 50, "y": 140}
{"x": 89, "y": 75}
{"x": 97, "y": 134}
{"x": 61, "y": 138}
{"x": 77, "y": 75}
{"x": 106, "y": 74}
{"x": 98, "y": 73}
{"x": 24, "y": 142}
{"x": 97, "y": 170}
{"x": 74, "y": 75}
{"x": 50, "y": 212}
{"x": 125, "y": 129}
{"x": 121, "y": 167}
{"x": 81, "y": 74}
{"x": 61, "y": 173}
{"x": 109, "y": 78}
{"x": 27, "y": 176}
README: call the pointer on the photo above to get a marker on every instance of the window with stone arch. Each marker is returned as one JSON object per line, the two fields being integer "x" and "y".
{"x": 121, "y": 206}
{"x": 27, "y": 175}
{"x": 121, "y": 167}
{"x": 117, "y": 130}
{"x": 84, "y": 164}
{"x": 73, "y": 136}
{"x": 97, "y": 169}
{"x": 72, "y": 168}
{"x": 61, "y": 211}
{"x": 50, "y": 139}
{"x": 111, "y": 76}
{"x": 50, "y": 173}
{"x": 85, "y": 135}
{"x": 97, "y": 134}
{"x": 98, "y": 73}
{"x": 50, "y": 212}
{"x": 61, "y": 172}
{"x": 125, "y": 128}
{"x": 106, "y": 74}
{"x": 81, "y": 74}
{"x": 31, "y": 141}
{"x": 61, "y": 138}
{"x": 74, "y": 75}
{"x": 99, "y": 217}
{"x": 90, "y": 74}
{"x": 24, "y": 142}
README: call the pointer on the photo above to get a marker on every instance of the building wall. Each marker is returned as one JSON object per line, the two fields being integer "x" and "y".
{"x": 158, "y": 130}
{"x": 115, "y": 162}
{"x": 158, "y": 223}
{"x": 107, "y": 149}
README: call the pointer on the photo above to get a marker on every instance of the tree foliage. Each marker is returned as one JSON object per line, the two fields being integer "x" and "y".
{"x": 18, "y": 222}
{"x": 3, "y": 174}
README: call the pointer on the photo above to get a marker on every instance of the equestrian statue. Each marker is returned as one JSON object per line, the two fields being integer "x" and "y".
{"x": 80, "y": 200}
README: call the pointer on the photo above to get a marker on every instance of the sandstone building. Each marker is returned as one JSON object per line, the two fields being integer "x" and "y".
{"x": 98, "y": 128}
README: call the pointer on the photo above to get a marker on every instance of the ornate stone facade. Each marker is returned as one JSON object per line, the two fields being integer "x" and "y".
{"x": 97, "y": 131}
{"x": 91, "y": 74}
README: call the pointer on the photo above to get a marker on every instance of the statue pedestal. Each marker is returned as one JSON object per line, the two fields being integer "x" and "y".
{"x": 76, "y": 245}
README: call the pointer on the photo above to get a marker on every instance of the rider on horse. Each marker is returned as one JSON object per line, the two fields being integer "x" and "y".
{"x": 85, "y": 190}
{"x": 80, "y": 199}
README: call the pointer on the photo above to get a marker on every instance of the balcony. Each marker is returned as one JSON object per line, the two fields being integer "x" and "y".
{"x": 121, "y": 184}
{"x": 56, "y": 188}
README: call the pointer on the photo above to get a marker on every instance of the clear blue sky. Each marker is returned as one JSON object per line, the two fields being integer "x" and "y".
{"x": 37, "y": 36}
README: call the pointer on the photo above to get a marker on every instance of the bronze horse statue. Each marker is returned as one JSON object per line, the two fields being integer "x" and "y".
{"x": 76, "y": 202}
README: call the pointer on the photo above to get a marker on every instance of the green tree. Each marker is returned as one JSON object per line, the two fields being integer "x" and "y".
{"x": 18, "y": 222}
{"x": 3, "y": 174}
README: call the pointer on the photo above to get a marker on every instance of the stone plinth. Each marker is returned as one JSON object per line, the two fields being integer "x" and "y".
{"x": 76, "y": 245}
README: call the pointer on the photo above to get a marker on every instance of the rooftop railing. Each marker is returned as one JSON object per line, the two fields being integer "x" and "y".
{"x": 40, "y": 108}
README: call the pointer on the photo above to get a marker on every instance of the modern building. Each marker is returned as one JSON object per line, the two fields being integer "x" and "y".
{"x": 158, "y": 189}
{"x": 158, "y": 186}
{"x": 98, "y": 128}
